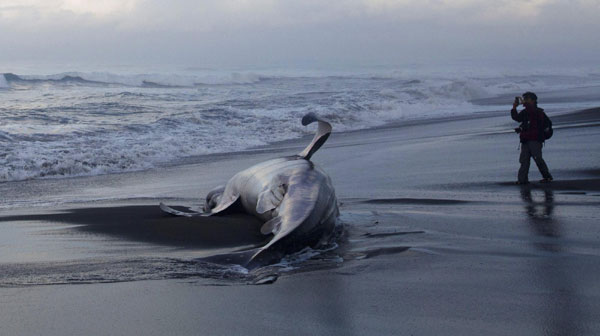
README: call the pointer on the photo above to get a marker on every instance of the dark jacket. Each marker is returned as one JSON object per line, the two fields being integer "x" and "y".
{"x": 533, "y": 122}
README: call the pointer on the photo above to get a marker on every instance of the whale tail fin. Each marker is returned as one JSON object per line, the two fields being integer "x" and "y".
{"x": 320, "y": 137}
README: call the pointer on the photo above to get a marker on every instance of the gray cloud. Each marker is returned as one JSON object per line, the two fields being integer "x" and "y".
{"x": 263, "y": 32}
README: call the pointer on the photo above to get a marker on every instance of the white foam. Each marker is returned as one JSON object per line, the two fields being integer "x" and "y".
{"x": 61, "y": 131}
{"x": 153, "y": 78}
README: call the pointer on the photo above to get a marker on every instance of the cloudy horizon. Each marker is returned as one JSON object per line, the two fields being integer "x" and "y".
{"x": 261, "y": 32}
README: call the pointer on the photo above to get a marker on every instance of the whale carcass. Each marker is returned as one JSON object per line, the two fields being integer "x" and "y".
{"x": 292, "y": 196}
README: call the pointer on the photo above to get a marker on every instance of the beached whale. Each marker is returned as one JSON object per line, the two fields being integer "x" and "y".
{"x": 294, "y": 197}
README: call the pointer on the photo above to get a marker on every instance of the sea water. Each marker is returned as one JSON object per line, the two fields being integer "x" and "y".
{"x": 57, "y": 123}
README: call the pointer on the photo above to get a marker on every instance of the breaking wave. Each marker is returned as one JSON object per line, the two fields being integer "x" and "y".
{"x": 90, "y": 123}
{"x": 136, "y": 80}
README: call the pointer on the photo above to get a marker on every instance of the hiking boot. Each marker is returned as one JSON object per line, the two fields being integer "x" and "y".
{"x": 546, "y": 180}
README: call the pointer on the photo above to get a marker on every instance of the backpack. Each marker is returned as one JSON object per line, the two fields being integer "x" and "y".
{"x": 548, "y": 131}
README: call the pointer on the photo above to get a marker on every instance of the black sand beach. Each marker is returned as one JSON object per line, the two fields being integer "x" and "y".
{"x": 438, "y": 241}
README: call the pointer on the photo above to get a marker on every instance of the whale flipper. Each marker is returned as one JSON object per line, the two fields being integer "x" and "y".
{"x": 235, "y": 258}
{"x": 167, "y": 209}
{"x": 272, "y": 195}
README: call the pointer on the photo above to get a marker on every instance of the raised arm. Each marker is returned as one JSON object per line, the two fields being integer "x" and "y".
{"x": 516, "y": 116}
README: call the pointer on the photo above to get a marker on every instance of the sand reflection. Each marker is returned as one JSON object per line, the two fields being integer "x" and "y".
{"x": 562, "y": 315}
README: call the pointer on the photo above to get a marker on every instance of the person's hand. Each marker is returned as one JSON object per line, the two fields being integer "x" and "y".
{"x": 515, "y": 103}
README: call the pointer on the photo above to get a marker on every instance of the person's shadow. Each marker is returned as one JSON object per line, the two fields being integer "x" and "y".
{"x": 552, "y": 272}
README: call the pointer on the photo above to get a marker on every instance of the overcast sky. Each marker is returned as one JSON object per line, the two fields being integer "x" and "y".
{"x": 287, "y": 32}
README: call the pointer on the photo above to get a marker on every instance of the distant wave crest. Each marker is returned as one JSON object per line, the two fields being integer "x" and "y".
{"x": 78, "y": 124}
{"x": 137, "y": 80}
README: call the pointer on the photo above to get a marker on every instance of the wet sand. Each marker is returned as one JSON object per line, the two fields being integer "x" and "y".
{"x": 438, "y": 240}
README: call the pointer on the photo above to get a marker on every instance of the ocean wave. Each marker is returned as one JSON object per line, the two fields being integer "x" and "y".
{"x": 56, "y": 152}
{"x": 136, "y": 80}
{"x": 470, "y": 84}
{"x": 3, "y": 83}
{"x": 77, "y": 124}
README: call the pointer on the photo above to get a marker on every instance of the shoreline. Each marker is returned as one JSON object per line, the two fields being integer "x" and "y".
{"x": 577, "y": 118}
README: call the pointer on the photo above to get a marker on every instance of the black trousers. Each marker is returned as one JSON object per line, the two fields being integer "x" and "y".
{"x": 531, "y": 149}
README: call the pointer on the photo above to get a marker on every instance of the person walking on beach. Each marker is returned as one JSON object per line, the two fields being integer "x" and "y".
{"x": 533, "y": 131}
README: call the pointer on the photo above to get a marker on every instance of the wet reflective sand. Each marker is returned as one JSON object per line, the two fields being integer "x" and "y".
{"x": 437, "y": 240}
